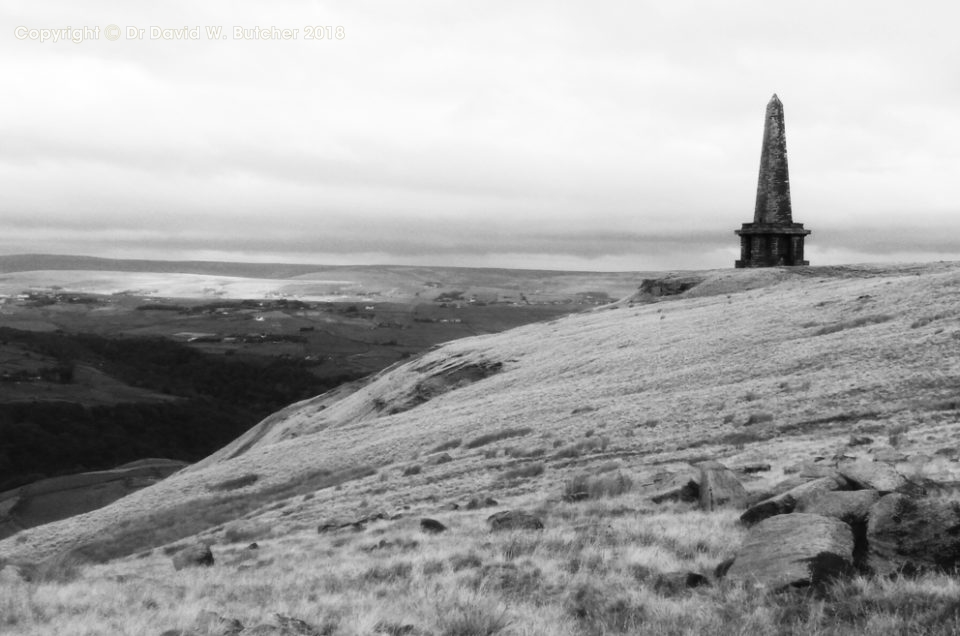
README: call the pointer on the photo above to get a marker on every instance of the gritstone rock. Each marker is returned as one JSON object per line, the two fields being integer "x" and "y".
{"x": 514, "y": 520}
{"x": 680, "y": 486}
{"x": 719, "y": 487}
{"x": 432, "y": 526}
{"x": 192, "y": 556}
{"x": 850, "y": 506}
{"x": 913, "y": 535}
{"x": 879, "y": 476}
{"x": 795, "y": 550}
{"x": 784, "y": 503}
{"x": 673, "y": 583}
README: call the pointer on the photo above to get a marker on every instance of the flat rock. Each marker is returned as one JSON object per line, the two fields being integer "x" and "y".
{"x": 195, "y": 555}
{"x": 849, "y": 506}
{"x": 794, "y": 550}
{"x": 879, "y": 476}
{"x": 514, "y": 520}
{"x": 786, "y": 502}
{"x": 913, "y": 535}
{"x": 719, "y": 487}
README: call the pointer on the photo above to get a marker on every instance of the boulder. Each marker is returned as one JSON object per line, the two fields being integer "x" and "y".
{"x": 913, "y": 535}
{"x": 794, "y": 550}
{"x": 719, "y": 487}
{"x": 785, "y": 503}
{"x": 879, "y": 476}
{"x": 850, "y": 506}
{"x": 432, "y": 526}
{"x": 514, "y": 520}
{"x": 679, "y": 486}
{"x": 194, "y": 555}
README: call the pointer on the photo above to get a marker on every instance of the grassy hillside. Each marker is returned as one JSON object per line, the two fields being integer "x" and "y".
{"x": 773, "y": 366}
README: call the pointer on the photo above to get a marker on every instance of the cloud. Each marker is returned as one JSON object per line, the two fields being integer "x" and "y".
{"x": 562, "y": 133}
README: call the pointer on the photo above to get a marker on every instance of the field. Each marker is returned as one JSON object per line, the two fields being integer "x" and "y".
{"x": 774, "y": 367}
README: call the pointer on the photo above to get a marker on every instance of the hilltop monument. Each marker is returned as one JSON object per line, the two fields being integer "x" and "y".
{"x": 773, "y": 238}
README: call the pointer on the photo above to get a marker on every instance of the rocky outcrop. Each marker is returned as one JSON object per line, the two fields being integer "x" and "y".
{"x": 657, "y": 287}
{"x": 794, "y": 550}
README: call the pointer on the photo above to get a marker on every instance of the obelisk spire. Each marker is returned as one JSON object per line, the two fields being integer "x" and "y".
{"x": 773, "y": 186}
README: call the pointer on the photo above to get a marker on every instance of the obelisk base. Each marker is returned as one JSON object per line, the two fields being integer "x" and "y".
{"x": 770, "y": 245}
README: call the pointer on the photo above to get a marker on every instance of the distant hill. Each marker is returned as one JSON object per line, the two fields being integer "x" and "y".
{"x": 36, "y": 262}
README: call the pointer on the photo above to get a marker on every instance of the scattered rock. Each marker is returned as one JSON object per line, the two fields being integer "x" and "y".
{"x": 879, "y": 476}
{"x": 913, "y": 535}
{"x": 719, "y": 487}
{"x": 673, "y": 583}
{"x": 785, "y": 503}
{"x": 849, "y": 506}
{"x": 432, "y": 526}
{"x": 195, "y": 555}
{"x": 452, "y": 506}
{"x": 859, "y": 441}
{"x": 514, "y": 520}
{"x": 794, "y": 550}
{"x": 253, "y": 546}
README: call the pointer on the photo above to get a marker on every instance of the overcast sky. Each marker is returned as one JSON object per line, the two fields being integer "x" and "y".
{"x": 562, "y": 135}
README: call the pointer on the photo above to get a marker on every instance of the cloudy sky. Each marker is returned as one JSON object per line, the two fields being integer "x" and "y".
{"x": 564, "y": 135}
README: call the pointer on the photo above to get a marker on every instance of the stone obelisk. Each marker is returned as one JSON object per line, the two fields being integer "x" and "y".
{"x": 773, "y": 238}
